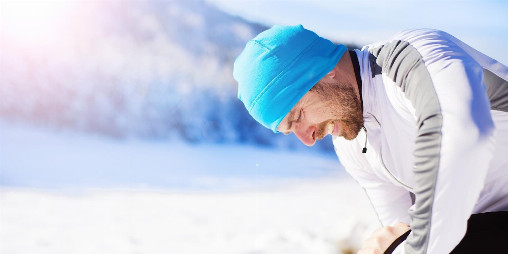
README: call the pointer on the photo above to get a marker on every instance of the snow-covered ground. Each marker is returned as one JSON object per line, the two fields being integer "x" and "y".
{"x": 306, "y": 217}
{"x": 70, "y": 193}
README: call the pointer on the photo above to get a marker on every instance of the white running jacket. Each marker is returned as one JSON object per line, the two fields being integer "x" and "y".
{"x": 436, "y": 120}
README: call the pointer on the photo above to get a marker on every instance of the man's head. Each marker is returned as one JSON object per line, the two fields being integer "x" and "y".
{"x": 277, "y": 69}
{"x": 330, "y": 107}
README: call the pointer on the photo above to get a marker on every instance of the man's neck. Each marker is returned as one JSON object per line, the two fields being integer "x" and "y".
{"x": 356, "y": 68}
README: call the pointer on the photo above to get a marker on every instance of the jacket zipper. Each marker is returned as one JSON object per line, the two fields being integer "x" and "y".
{"x": 382, "y": 160}
{"x": 390, "y": 173}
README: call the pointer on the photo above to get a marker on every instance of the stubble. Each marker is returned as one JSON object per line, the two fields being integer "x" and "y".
{"x": 345, "y": 108}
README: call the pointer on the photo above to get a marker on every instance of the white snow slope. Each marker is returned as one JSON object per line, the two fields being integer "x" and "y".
{"x": 70, "y": 193}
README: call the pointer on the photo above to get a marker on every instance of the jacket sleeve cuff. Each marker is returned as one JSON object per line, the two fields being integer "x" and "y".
{"x": 400, "y": 249}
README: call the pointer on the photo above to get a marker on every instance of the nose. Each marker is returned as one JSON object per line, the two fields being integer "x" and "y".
{"x": 306, "y": 134}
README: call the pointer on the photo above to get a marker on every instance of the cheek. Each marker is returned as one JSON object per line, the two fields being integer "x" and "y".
{"x": 319, "y": 114}
{"x": 313, "y": 117}
{"x": 326, "y": 114}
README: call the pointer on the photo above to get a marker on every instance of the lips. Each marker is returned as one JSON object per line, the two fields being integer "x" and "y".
{"x": 335, "y": 129}
{"x": 330, "y": 128}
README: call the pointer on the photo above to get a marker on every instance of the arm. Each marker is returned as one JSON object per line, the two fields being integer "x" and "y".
{"x": 454, "y": 134}
{"x": 389, "y": 201}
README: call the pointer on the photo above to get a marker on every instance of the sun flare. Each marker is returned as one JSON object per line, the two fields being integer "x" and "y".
{"x": 33, "y": 22}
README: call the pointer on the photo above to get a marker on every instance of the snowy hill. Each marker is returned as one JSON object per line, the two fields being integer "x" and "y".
{"x": 145, "y": 69}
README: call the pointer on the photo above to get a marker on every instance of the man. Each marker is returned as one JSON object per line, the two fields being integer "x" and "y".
{"x": 420, "y": 121}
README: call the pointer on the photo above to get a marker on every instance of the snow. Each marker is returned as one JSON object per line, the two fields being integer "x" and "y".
{"x": 46, "y": 159}
{"x": 122, "y": 133}
{"x": 309, "y": 217}
{"x": 63, "y": 192}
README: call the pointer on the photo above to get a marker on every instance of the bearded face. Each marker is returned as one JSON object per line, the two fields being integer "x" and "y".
{"x": 330, "y": 107}
{"x": 344, "y": 109}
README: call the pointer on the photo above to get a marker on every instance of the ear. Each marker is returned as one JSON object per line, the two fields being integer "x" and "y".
{"x": 331, "y": 74}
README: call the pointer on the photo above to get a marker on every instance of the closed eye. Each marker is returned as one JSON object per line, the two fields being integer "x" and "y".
{"x": 290, "y": 123}
{"x": 300, "y": 116}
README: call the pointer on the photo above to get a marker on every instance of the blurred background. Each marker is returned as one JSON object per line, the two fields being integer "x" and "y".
{"x": 120, "y": 131}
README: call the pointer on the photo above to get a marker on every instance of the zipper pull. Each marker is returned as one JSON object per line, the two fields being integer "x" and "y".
{"x": 364, "y": 150}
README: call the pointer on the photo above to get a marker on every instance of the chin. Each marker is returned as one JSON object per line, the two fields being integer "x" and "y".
{"x": 350, "y": 135}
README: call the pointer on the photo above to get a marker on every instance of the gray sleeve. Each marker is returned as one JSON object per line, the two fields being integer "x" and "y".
{"x": 403, "y": 64}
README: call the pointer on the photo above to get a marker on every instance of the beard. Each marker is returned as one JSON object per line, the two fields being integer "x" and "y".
{"x": 345, "y": 108}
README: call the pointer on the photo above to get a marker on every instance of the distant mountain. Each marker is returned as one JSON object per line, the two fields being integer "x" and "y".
{"x": 145, "y": 69}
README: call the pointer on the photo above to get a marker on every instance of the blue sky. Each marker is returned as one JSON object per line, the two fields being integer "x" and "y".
{"x": 481, "y": 24}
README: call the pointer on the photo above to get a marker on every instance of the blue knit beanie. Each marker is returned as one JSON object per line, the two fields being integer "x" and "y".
{"x": 278, "y": 67}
